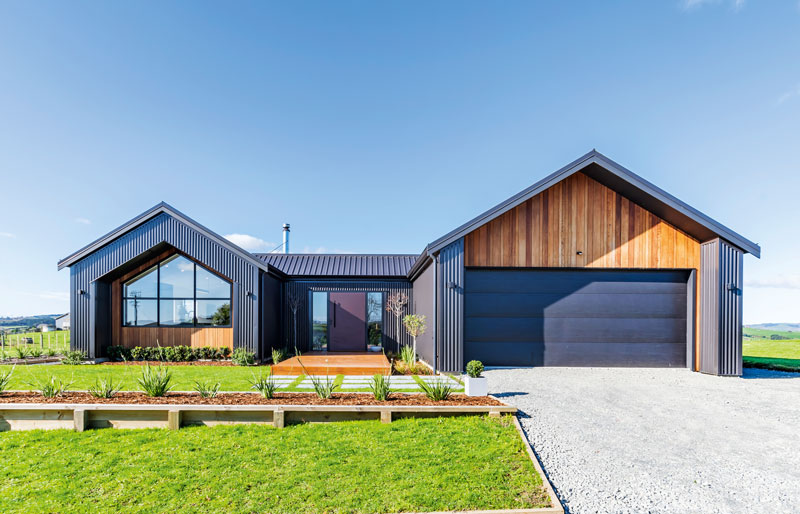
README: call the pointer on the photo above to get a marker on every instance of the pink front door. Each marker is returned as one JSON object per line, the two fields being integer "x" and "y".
{"x": 347, "y": 319}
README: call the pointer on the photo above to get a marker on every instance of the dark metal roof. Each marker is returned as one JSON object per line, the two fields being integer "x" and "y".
{"x": 628, "y": 184}
{"x": 151, "y": 213}
{"x": 340, "y": 265}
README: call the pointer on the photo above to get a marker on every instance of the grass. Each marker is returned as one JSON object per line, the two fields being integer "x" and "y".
{"x": 780, "y": 355}
{"x": 364, "y": 466}
{"x": 58, "y": 339}
{"x": 763, "y": 333}
{"x": 231, "y": 378}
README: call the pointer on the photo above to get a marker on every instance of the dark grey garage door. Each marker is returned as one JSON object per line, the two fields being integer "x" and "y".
{"x": 575, "y": 318}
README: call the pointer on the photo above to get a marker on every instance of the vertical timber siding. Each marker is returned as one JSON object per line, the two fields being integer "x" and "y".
{"x": 301, "y": 289}
{"x": 166, "y": 229}
{"x": 451, "y": 315}
{"x": 581, "y": 215}
{"x": 721, "y": 308}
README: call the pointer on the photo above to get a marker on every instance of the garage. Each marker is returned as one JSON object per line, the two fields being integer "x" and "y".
{"x": 571, "y": 317}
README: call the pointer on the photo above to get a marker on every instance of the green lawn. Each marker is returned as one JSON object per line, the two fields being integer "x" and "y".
{"x": 231, "y": 378}
{"x": 363, "y": 466}
{"x": 781, "y": 355}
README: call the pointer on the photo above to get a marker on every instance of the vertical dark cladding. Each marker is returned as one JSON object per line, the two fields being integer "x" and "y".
{"x": 302, "y": 289}
{"x": 451, "y": 314}
{"x": 424, "y": 304}
{"x": 88, "y": 323}
{"x": 271, "y": 324}
{"x": 721, "y": 308}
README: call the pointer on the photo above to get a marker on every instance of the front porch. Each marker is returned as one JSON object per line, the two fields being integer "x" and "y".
{"x": 335, "y": 363}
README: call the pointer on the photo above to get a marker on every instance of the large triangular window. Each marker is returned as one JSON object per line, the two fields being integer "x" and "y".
{"x": 176, "y": 292}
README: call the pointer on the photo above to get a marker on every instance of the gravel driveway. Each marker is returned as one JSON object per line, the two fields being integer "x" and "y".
{"x": 662, "y": 440}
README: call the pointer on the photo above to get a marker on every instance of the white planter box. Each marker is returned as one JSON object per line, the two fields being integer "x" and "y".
{"x": 475, "y": 386}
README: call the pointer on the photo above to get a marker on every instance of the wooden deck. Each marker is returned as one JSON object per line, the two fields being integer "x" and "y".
{"x": 335, "y": 363}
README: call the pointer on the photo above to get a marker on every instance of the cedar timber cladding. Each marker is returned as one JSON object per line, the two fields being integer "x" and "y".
{"x": 580, "y": 223}
{"x": 580, "y": 215}
{"x": 90, "y": 328}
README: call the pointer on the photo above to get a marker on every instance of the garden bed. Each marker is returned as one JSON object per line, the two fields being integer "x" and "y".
{"x": 167, "y": 363}
{"x": 31, "y": 360}
{"x": 355, "y": 399}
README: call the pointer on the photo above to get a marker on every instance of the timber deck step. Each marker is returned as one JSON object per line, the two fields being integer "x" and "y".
{"x": 321, "y": 363}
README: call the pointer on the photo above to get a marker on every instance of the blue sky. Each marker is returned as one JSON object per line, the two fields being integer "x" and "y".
{"x": 378, "y": 127}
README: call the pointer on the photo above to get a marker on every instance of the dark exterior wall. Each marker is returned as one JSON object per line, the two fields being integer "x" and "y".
{"x": 423, "y": 304}
{"x": 721, "y": 308}
{"x": 161, "y": 229}
{"x": 301, "y": 289}
{"x": 271, "y": 313}
{"x": 451, "y": 310}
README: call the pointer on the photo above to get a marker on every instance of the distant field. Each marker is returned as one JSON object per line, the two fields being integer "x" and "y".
{"x": 782, "y": 355}
{"x": 762, "y": 333}
{"x": 58, "y": 340}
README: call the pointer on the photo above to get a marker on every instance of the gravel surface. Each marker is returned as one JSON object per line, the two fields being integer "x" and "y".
{"x": 661, "y": 440}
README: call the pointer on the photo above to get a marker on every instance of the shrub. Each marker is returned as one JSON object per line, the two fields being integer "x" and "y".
{"x": 324, "y": 387}
{"x": 206, "y": 389}
{"x": 226, "y": 352}
{"x": 438, "y": 390}
{"x": 264, "y": 384}
{"x": 380, "y": 387}
{"x": 51, "y": 387}
{"x": 474, "y": 369}
{"x": 169, "y": 354}
{"x": 241, "y": 357}
{"x": 278, "y": 355}
{"x": 407, "y": 355}
{"x": 138, "y": 353}
{"x": 183, "y": 353}
{"x": 35, "y": 353}
{"x": 51, "y": 352}
{"x": 5, "y": 378}
{"x": 104, "y": 388}
{"x": 20, "y": 352}
{"x": 155, "y": 380}
{"x": 73, "y": 357}
{"x": 118, "y": 353}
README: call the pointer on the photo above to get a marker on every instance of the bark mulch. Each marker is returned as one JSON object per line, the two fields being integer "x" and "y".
{"x": 395, "y": 399}
{"x": 159, "y": 363}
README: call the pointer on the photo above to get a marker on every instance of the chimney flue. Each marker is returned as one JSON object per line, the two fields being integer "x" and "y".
{"x": 285, "y": 238}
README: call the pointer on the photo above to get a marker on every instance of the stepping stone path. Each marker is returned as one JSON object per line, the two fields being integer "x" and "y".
{"x": 356, "y": 382}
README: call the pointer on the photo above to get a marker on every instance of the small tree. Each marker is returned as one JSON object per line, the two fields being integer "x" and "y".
{"x": 294, "y": 304}
{"x": 415, "y": 326}
{"x": 396, "y": 304}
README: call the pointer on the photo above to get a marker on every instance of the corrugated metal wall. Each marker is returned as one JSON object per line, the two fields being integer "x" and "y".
{"x": 423, "y": 304}
{"x": 166, "y": 229}
{"x": 301, "y": 289}
{"x": 451, "y": 314}
{"x": 721, "y": 274}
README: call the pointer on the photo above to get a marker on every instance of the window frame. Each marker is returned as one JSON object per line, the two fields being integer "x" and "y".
{"x": 194, "y": 299}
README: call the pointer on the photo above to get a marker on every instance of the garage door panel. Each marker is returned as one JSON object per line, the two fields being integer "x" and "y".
{"x": 502, "y": 353}
{"x": 575, "y": 318}
{"x": 562, "y": 282}
{"x": 577, "y": 330}
{"x": 589, "y": 305}
{"x": 615, "y": 355}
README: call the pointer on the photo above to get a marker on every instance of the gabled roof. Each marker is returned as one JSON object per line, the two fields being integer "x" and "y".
{"x": 63, "y": 315}
{"x": 162, "y": 208}
{"x": 340, "y": 265}
{"x": 626, "y": 183}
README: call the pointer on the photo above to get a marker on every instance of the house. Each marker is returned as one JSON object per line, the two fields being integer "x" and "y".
{"x": 62, "y": 322}
{"x": 590, "y": 266}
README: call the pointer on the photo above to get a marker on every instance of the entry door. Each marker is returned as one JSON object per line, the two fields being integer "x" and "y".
{"x": 347, "y": 316}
